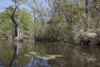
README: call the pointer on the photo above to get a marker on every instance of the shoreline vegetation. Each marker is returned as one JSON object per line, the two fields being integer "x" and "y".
{"x": 62, "y": 21}
{"x": 88, "y": 39}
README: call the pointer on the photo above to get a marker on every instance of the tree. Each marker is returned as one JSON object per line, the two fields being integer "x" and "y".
{"x": 18, "y": 34}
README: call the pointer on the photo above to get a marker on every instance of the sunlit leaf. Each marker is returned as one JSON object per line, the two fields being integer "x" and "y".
{"x": 59, "y": 55}
{"x": 27, "y": 55}
{"x": 33, "y": 53}
{"x": 52, "y": 56}
{"x": 45, "y": 58}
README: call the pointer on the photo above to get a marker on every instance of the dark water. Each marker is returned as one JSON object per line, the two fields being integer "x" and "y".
{"x": 12, "y": 54}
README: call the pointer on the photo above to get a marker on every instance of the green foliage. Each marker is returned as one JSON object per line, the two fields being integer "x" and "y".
{"x": 25, "y": 19}
{"x": 7, "y": 26}
{"x": 61, "y": 19}
{"x": 47, "y": 57}
{"x": 21, "y": 1}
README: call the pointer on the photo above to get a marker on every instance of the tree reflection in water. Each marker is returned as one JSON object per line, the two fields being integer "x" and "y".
{"x": 38, "y": 63}
{"x": 17, "y": 47}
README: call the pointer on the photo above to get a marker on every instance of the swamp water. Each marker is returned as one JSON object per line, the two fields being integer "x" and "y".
{"x": 41, "y": 54}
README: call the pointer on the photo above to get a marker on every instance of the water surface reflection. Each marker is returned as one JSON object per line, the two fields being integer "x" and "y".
{"x": 17, "y": 47}
{"x": 12, "y": 54}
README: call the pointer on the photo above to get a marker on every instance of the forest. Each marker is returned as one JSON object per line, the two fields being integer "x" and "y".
{"x": 52, "y": 21}
{"x": 70, "y": 23}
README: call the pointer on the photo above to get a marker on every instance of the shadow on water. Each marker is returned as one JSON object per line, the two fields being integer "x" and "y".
{"x": 13, "y": 55}
{"x": 34, "y": 61}
{"x": 17, "y": 47}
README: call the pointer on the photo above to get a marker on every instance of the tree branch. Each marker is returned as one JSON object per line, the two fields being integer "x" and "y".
{"x": 12, "y": 17}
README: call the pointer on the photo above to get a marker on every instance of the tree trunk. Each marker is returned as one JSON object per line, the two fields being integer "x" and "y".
{"x": 18, "y": 35}
{"x": 86, "y": 11}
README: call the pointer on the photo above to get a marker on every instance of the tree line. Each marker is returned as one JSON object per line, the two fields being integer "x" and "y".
{"x": 53, "y": 20}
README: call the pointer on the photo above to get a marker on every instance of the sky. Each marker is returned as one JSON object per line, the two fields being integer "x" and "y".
{"x": 6, "y": 3}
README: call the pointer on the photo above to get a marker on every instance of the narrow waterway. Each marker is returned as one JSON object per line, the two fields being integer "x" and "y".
{"x": 16, "y": 54}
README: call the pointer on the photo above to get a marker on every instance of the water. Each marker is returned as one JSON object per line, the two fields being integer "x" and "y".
{"x": 12, "y": 54}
